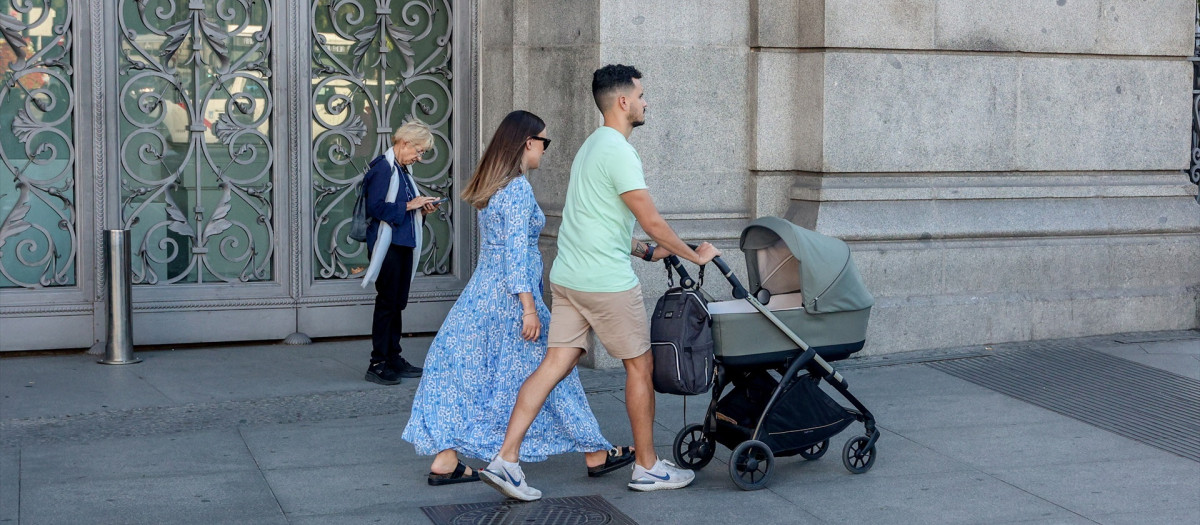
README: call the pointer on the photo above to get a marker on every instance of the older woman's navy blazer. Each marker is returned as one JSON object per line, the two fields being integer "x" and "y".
{"x": 377, "y": 179}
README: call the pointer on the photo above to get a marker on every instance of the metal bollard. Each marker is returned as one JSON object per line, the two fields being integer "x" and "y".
{"x": 119, "y": 348}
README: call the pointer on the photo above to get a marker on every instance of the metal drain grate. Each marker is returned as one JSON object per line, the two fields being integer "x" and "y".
{"x": 1139, "y": 402}
{"x": 575, "y": 510}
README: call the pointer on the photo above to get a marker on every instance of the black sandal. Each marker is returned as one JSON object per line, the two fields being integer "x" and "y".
{"x": 454, "y": 477}
{"x": 617, "y": 457}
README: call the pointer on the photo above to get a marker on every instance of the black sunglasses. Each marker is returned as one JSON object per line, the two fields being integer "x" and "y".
{"x": 545, "y": 142}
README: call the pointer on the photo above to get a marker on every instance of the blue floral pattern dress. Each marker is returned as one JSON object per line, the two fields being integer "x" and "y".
{"x": 478, "y": 360}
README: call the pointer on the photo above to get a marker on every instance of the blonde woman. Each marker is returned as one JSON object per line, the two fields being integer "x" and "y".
{"x": 495, "y": 335}
{"x": 395, "y": 207}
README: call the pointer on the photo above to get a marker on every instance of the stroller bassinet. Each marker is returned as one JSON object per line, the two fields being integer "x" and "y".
{"x": 810, "y": 284}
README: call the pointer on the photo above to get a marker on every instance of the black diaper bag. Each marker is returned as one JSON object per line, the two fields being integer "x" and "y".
{"x": 682, "y": 343}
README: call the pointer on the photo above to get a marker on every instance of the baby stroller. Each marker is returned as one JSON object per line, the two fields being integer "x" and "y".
{"x": 805, "y": 284}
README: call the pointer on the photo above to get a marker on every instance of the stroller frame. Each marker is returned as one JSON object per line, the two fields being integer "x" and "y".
{"x": 752, "y": 459}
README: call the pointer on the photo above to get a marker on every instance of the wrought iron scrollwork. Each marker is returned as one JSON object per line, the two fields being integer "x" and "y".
{"x": 1194, "y": 169}
{"x": 195, "y": 118}
{"x": 38, "y": 219}
{"x": 373, "y": 68}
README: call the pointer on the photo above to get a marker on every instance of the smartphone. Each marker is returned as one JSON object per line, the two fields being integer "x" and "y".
{"x": 439, "y": 201}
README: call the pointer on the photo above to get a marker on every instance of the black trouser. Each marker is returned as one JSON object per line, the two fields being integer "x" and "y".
{"x": 391, "y": 297}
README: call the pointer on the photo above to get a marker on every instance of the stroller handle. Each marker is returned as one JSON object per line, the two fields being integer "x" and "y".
{"x": 739, "y": 291}
{"x": 673, "y": 263}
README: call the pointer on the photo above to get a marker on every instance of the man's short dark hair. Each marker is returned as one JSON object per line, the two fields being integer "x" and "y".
{"x": 612, "y": 78}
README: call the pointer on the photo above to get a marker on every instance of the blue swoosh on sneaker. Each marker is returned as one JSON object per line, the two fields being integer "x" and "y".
{"x": 511, "y": 479}
{"x": 663, "y": 478}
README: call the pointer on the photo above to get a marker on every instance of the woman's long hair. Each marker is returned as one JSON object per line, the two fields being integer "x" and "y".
{"x": 501, "y": 162}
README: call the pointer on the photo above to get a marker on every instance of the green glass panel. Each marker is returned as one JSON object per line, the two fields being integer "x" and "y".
{"x": 38, "y": 218}
{"x": 195, "y": 153}
{"x": 375, "y": 65}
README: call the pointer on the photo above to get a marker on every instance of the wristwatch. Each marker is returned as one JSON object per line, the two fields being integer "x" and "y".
{"x": 649, "y": 253}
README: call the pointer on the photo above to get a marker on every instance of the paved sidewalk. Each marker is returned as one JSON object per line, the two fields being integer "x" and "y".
{"x": 293, "y": 434}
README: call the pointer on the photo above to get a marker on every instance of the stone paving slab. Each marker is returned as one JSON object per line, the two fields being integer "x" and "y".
{"x": 137, "y": 457}
{"x": 224, "y": 497}
{"x": 10, "y": 484}
{"x": 277, "y": 434}
{"x": 897, "y": 457}
{"x": 197, "y": 376}
{"x": 1109, "y": 486}
{"x": 341, "y": 442}
{"x": 56, "y": 385}
{"x": 1180, "y": 357}
{"x": 384, "y": 517}
{"x": 1186, "y": 347}
{"x": 1060, "y": 442}
{"x": 71, "y": 384}
{"x": 706, "y": 504}
{"x": 914, "y": 397}
{"x": 207, "y": 416}
{"x": 1168, "y": 515}
{"x": 336, "y": 489}
{"x": 944, "y": 497}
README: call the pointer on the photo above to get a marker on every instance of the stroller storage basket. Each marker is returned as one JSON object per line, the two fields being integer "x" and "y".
{"x": 803, "y": 417}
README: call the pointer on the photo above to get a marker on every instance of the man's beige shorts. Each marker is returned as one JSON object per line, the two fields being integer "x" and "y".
{"x": 619, "y": 319}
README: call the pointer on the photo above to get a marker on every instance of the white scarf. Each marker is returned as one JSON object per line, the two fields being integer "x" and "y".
{"x": 384, "y": 239}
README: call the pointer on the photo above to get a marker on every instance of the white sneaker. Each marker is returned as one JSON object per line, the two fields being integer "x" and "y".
{"x": 665, "y": 475}
{"x": 509, "y": 480}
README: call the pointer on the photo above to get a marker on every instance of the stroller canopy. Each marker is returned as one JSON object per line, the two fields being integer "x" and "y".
{"x": 784, "y": 258}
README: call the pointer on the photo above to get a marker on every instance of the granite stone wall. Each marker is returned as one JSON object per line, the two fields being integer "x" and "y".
{"x": 1003, "y": 170}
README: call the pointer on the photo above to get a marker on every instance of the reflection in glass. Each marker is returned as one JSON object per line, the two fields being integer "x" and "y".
{"x": 195, "y": 148}
{"x": 375, "y": 65}
{"x": 38, "y": 218}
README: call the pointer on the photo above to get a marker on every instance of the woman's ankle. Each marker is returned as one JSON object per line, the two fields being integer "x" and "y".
{"x": 444, "y": 463}
{"x": 595, "y": 458}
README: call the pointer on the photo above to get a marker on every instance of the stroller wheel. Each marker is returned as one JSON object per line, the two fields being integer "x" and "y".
{"x": 750, "y": 465}
{"x": 693, "y": 450}
{"x": 815, "y": 451}
{"x": 855, "y": 458}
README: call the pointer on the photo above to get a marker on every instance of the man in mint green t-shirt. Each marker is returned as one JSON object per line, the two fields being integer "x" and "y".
{"x": 597, "y": 226}
{"x": 595, "y": 289}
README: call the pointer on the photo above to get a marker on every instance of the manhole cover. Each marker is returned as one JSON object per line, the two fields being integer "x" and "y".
{"x": 1154, "y": 407}
{"x": 576, "y": 510}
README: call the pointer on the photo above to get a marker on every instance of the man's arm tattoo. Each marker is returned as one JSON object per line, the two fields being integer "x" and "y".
{"x": 639, "y": 249}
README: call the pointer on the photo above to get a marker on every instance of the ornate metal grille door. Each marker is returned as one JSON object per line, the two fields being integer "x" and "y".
{"x": 237, "y": 209}
{"x": 39, "y": 243}
{"x": 1194, "y": 170}
{"x": 377, "y": 64}
{"x": 195, "y": 153}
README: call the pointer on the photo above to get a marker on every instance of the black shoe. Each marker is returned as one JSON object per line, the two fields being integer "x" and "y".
{"x": 403, "y": 368}
{"x": 382, "y": 374}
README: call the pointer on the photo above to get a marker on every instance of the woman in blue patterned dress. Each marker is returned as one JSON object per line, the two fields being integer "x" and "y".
{"x": 495, "y": 335}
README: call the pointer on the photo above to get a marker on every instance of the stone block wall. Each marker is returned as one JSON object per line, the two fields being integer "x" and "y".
{"x": 694, "y": 144}
{"x": 1003, "y": 170}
